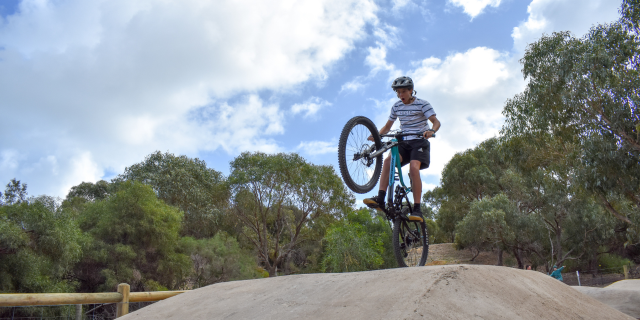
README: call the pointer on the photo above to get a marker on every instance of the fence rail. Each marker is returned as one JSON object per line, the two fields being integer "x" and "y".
{"x": 122, "y": 298}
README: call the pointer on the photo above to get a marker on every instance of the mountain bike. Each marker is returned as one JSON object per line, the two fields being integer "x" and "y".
{"x": 360, "y": 162}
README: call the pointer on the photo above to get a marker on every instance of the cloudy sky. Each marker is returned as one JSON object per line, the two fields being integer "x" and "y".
{"x": 89, "y": 87}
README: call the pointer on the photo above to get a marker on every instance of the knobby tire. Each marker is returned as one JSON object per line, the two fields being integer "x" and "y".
{"x": 411, "y": 249}
{"x": 356, "y": 174}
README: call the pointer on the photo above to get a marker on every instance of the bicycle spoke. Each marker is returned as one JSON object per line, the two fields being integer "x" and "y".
{"x": 356, "y": 142}
{"x": 353, "y": 167}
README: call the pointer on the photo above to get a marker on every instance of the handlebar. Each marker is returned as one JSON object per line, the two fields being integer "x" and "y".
{"x": 399, "y": 135}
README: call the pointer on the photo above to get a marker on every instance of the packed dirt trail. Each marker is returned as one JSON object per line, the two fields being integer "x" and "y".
{"x": 434, "y": 292}
{"x": 623, "y": 296}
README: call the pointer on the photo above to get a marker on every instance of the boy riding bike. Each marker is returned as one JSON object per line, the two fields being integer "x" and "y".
{"x": 413, "y": 113}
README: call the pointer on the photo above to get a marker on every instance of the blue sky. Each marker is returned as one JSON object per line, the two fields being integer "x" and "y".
{"x": 89, "y": 87}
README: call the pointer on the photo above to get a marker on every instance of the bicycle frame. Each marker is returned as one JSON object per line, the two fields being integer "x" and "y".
{"x": 395, "y": 164}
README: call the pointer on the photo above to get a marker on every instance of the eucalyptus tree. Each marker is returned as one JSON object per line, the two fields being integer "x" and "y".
{"x": 469, "y": 176}
{"x": 134, "y": 238}
{"x": 187, "y": 183}
{"x": 39, "y": 243}
{"x": 15, "y": 192}
{"x": 356, "y": 243}
{"x": 586, "y": 90}
{"x": 90, "y": 191}
{"x": 498, "y": 222}
{"x": 218, "y": 259}
{"x": 281, "y": 201}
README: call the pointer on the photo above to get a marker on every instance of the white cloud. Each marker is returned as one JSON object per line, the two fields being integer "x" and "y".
{"x": 317, "y": 147}
{"x": 353, "y": 85}
{"x": 83, "y": 168}
{"x": 310, "y": 107}
{"x": 475, "y": 7}
{"x": 100, "y": 84}
{"x": 399, "y": 4}
{"x": 9, "y": 159}
{"x": 387, "y": 35}
{"x": 427, "y": 186}
{"x": 244, "y": 126}
{"x": 577, "y": 16}
{"x": 377, "y": 59}
{"x": 467, "y": 91}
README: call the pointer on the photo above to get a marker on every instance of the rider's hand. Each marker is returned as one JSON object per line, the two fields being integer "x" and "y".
{"x": 428, "y": 134}
{"x": 370, "y": 138}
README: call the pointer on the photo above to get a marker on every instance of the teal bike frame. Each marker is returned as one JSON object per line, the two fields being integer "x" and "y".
{"x": 395, "y": 165}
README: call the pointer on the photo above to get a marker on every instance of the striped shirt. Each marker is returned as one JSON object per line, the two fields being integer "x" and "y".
{"x": 413, "y": 117}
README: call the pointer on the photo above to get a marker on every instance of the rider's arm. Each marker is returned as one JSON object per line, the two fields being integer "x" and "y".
{"x": 435, "y": 127}
{"x": 384, "y": 129}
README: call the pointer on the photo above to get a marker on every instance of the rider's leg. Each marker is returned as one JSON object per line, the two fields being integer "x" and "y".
{"x": 379, "y": 200}
{"x": 416, "y": 186}
{"x": 384, "y": 177}
{"x": 416, "y": 182}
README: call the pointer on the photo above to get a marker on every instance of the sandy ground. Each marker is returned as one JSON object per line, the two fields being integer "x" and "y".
{"x": 623, "y": 296}
{"x": 434, "y": 292}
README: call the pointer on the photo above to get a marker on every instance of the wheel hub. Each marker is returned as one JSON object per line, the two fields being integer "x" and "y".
{"x": 363, "y": 155}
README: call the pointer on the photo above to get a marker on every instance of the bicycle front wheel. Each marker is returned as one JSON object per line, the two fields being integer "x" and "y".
{"x": 359, "y": 172}
{"x": 410, "y": 242}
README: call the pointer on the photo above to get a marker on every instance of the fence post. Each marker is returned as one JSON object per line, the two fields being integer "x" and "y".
{"x": 78, "y": 312}
{"x": 123, "y": 307}
{"x": 626, "y": 271}
{"x": 578, "y": 273}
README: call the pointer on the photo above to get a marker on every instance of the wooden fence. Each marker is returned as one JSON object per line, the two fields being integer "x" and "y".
{"x": 122, "y": 298}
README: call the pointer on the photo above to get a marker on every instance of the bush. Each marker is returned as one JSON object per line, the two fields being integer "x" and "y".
{"x": 611, "y": 263}
{"x": 359, "y": 242}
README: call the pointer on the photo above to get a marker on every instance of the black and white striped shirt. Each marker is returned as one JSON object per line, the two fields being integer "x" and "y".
{"x": 413, "y": 116}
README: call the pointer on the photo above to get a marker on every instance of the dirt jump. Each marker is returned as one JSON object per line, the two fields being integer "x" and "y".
{"x": 623, "y": 296}
{"x": 434, "y": 292}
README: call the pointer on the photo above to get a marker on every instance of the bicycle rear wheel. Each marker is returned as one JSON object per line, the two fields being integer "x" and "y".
{"x": 359, "y": 172}
{"x": 410, "y": 242}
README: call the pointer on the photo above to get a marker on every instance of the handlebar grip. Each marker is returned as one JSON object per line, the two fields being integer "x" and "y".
{"x": 432, "y": 136}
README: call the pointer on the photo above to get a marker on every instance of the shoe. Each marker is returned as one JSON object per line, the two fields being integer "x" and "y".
{"x": 417, "y": 213}
{"x": 376, "y": 202}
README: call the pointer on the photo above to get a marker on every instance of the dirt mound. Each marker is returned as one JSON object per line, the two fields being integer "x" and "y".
{"x": 623, "y": 296}
{"x": 633, "y": 284}
{"x": 436, "y": 292}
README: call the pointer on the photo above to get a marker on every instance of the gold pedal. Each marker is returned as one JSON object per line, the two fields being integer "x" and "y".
{"x": 414, "y": 218}
{"x": 372, "y": 204}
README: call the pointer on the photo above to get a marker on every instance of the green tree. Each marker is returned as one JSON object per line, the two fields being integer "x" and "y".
{"x": 358, "y": 242}
{"x": 135, "y": 239}
{"x": 469, "y": 176}
{"x": 39, "y": 245}
{"x": 200, "y": 192}
{"x": 218, "y": 259}
{"x": 579, "y": 118}
{"x": 281, "y": 201}
{"x": 498, "y": 222}
{"x": 91, "y": 191}
{"x": 586, "y": 89}
{"x": 15, "y": 192}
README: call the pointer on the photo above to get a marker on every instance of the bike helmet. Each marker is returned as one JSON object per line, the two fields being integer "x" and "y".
{"x": 402, "y": 82}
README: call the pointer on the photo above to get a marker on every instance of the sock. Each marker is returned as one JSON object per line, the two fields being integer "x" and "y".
{"x": 382, "y": 194}
{"x": 416, "y": 206}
